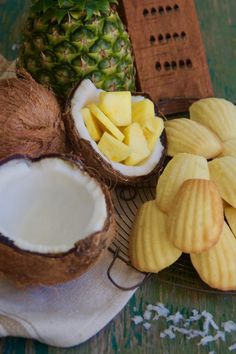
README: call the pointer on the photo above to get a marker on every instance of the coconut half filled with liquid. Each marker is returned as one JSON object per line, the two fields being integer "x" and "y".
{"x": 111, "y": 140}
{"x": 55, "y": 220}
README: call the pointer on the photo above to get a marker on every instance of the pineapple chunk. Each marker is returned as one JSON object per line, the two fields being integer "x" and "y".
{"x": 152, "y": 130}
{"x": 142, "y": 110}
{"x": 102, "y": 118}
{"x": 113, "y": 149}
{"x": 136, "y": 140}
{"x": 91, "y": 124}
{"x": 117, "y": 107}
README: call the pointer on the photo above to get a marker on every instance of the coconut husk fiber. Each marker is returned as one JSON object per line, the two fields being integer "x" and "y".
{"x": 30, "y": 118}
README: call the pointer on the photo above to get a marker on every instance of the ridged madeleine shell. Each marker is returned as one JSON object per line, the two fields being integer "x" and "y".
{"x": 217, "y": 114}
{"x": 217, "y": 266}
{"x": 229, "y": 148}
{"x": 185, "y": 135}
{"x": 179, "y": 169}
{"x": 195, "y": 222}
{"x": 150, "y": 249}
{"x": 230, "y": 215}
{"x": 223, "y": 173}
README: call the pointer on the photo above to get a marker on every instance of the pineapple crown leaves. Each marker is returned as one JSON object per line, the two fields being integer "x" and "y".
{"x": 59, "y": 8}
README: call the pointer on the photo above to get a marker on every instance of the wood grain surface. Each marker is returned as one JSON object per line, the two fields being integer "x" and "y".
{"x": 218, "y": 25}
{"x": 168, "y": 49}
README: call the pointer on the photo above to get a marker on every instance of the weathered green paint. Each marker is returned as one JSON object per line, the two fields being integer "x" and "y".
{"x": 14, "y": 346}
{"x": 12, "y": 15}
{"x": 218, "y": 24}
{"x": 40, "y": 348}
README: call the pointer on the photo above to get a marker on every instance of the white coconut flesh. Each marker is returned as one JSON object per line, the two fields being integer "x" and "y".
{"x": 88, "y": 93}
{"x": 48, "y": 206}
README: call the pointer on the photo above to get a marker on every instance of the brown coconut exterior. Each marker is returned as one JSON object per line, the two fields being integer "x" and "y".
{"x": 28, "y": 269}
{"x": 94, "y": 160}
{"x": 30, "y": 118}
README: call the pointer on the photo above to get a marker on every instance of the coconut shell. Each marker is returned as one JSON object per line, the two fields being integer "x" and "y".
{"x": 94, "y": 160}
{"x": 104, "y": 170}
{"x": 27, "y": 268}
{"x": 30, "y": 119}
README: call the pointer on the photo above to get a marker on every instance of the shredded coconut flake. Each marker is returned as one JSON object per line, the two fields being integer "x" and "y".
{"x": 229, "y": 326}
{"x": 232, "y": 347}
{"x": 150, "y": 307}
{"x": 147, "y": 325}
{"x": 194, "y": 333}
{"x": 180, "y": 330}
{"x": 161, "y": 310}
{"x": 220, "y": 335}
{"x": 176, "y": 318}
{"x": 206, "y": 340}
{"x": 195, "y": 317}
{"x": 208, "y": 322}
{"x": 195, "y": 312}
{"x": 168, "y": 333}
{"x": 137, "y": 319}
{"x": 180, "y": 324}
{"x": 147, "y": 315}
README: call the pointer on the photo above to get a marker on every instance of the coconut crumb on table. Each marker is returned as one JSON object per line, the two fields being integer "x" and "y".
{"x": 137, "y": 319}
{"x": 178, "y": 323}
{"x": 147, "y": 325}
{"x": 229, "y": 326}
{"x": 147, "y": 315}
{"x": 232, "y": 347}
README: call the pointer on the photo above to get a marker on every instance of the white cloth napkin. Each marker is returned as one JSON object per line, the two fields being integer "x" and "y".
{"x": 67, "y": 314}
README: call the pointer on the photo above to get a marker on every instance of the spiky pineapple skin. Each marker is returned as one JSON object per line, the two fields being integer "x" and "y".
{"x": 60, "y": 54}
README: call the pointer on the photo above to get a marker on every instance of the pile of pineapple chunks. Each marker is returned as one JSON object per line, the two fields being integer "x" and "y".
{"x": 125, "y": 131}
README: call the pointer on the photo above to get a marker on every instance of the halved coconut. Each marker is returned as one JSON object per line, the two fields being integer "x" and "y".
{"x": 85, "y": 93}
{"x": 55, "y": 219}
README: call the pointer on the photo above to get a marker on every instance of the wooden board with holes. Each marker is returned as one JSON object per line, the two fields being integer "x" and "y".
{"x": 168, "y": 48}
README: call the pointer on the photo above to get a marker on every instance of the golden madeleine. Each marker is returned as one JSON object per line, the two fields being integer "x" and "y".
{"x": 185, "y": 135}
{"x": 223, "y": 173}
{"x": 230, "y": 215}
{"x": 150, "y": 249}
{"x": 229, "y": 148}
{"x": 217, "y": 266}
{"x": 182, "y": 167}
{"x": 196, "y": 219}
{"x": 217, "y": 114}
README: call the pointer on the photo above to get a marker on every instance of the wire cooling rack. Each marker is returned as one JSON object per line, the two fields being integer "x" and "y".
{"x": 127, "y": 200}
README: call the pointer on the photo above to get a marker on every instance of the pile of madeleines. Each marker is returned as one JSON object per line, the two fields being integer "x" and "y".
{"x": 195, "y": 207}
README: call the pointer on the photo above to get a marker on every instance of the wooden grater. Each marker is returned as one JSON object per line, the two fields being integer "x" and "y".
{"x": 168, "y": 49}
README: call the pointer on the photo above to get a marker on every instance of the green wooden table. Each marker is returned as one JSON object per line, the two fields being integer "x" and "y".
{"x": 218, "y": 24}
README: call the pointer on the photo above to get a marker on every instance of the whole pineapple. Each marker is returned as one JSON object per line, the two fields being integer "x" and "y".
{"x": 69, "y": 40}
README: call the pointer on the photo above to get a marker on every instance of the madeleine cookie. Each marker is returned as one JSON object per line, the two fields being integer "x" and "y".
{"x": 223, "y": 173}
{"x": 217, "y": 266}
{"x": 217, "y": 114}
{"x": 179, "y": 169}
{"x": 229, "y": 148}
{"x": 196, "y": 219}
{"x": 150, "y": 249}
{"x": 185, "y": 135}
{"x": 230, "y": 215}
